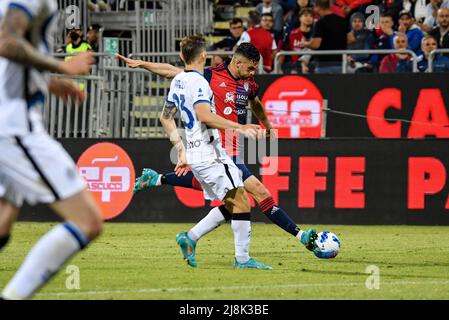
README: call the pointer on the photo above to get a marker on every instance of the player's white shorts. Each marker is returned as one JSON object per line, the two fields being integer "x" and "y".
{"x": 37, "y": 169}
{"x": 217, "y": 178}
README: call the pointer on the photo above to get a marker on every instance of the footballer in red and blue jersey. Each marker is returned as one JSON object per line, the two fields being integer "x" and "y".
{"x": 231, "y": 97}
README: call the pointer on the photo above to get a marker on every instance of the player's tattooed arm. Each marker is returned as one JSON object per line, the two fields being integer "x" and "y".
{"x": 169, "y": 111}
{"x": 259, "y": 111}
{"x": 169, "y": 124}
{"x": 167, "y": 119}
{"x": 164, "y": 70}
{"x": 15, "y": 47}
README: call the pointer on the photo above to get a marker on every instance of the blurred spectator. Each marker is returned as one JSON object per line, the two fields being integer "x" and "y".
{"x": 262, "y": 39}
{"x": 440, "y": 62}
{"x": 286, "y": 5}
{"x": 348, "y": 7}
{"x": 293, "y": 64}
{"x": 432, "y": 8}
{"x": 359, "y": 38}
{"x": 381, "y": 38}
{"x": 266, "y": 22}
{"x": 413, "y": 32}
{"x": 229, "y": 42}
{"x": 293, "y": 18}
{"x": 268, "y": 6}
{"x": 77, "y": 43}
{"x": 416, "y": 7}
{"x": 93, "y": 36}
{"x": 330, "y": 33}
{"x": 237, "y": 33}
{"x": 441, "y": 32}
{"x": 389, "y": 7}
{"x": 390, "y": 63}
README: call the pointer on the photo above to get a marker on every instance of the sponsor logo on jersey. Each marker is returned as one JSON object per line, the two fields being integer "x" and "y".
{"x": 108, "y": 171}
{"x": 223, "y": 84}
{"x": 229, "y": 97}
{"x": 193, "y": 144}
{"x": 227, "y": 111}
{"x": 246, "y": 86}
{"x": 242, "y": 97}
{"x": 240, "y": 112}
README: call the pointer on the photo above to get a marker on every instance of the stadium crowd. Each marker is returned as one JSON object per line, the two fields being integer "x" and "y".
{"x": 303, "y": 25}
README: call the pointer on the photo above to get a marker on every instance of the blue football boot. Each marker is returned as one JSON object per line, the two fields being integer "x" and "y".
{"x": 251, "y": 263}
{"x": 308, "y": 239}
{"x": 187, "y": 247}
{"x": 147, "y": 180}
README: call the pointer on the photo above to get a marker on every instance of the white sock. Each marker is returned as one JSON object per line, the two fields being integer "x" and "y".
{"x": 213, "y": 220}
{"x": 158, "y": 182}
{"x": 299, "y": 235}
{"x": 242, "y": 238}
{"x": 44, "y": 260}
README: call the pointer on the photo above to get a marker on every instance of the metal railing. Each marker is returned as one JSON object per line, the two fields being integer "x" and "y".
{"x": 344, "y": 55}
{"x": 432, "y": 57}
{"x": 83, "y": 121}
{"x": 156, "y": 26}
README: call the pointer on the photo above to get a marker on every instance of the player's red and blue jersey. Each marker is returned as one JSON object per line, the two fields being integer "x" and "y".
{"x": 231, "y": 96}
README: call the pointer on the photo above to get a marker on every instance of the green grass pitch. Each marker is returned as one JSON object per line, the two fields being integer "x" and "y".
{"x": 143, "y": 261}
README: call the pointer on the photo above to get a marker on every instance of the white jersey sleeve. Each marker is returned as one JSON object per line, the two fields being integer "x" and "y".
{"x": 30, "y": 7}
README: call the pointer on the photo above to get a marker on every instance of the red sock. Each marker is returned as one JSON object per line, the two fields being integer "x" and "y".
{"x": 266, "y": 205}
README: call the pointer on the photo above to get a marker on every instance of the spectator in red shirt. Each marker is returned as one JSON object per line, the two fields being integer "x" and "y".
{"x": 262, "y": 39}
{"x": 293, "y": 64}
{"x": 390, "y": 62}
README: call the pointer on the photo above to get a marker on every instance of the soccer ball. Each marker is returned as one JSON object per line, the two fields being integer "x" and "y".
{"x": 327, "y": 245}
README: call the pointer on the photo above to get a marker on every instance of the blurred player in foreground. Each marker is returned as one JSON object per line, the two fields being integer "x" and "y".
{"x": 233, "y": 86}
{"x": 33, "y": 166}
{"x": 216, "y": 172}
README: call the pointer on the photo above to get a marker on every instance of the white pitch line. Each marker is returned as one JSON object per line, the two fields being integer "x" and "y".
{"x": 225, "y": 288}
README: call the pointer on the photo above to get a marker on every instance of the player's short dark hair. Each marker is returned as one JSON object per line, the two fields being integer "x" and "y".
{"x": 191, "y": 47}
{"x": 249, "y": 51}
{"x": 323, "y": 4}
{"x": 235, "y": 21}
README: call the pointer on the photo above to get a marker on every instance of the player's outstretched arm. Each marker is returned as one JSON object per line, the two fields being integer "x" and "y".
{"x": 165, "y": 70}
{"x": 215, "y": 121}
{"x": 14, "y": 47}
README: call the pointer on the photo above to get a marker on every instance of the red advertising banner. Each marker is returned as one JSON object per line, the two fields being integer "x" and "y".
{"x": 294, "y": 106}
